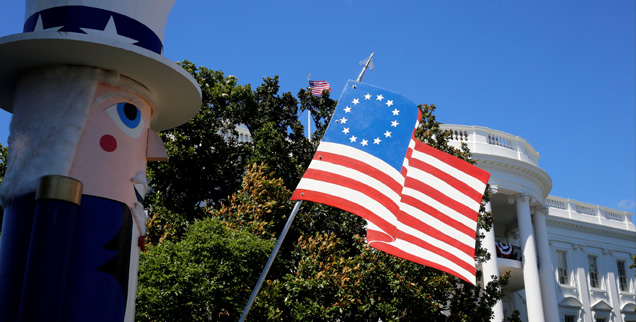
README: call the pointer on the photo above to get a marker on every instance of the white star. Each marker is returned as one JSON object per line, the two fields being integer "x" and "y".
{"x": 387, "y": 134}
{"x": 389, "y": 103}
{"x": 394, "y": 123}
{"x": 343, "y": 120}
{"x": 356, "y": 101}
{"x": 40, "y": 27}
{"x": 396, "y": 112}
{"x": 379, "y": 97}
{"x": 38, "y": 24}
{"x": 347, "y": 109}
{"x": 377, "y": 141}
{"x": 110, "y": 31}
{"x": 353, "y": 138}
{"x": 364, "y": 142}
{"x": 367, "y": 97}
{"x": 346, "y": 130}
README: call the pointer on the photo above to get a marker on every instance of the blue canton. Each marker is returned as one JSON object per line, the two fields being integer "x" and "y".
{"x": 373, "y": 120}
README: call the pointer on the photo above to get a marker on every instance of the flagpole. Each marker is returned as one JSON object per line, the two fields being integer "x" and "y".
{"x": 261, "y": 279}
{"x": 270, "y": 261}
{"x": 366, "y": 65}
{"x": 309, "y": 114}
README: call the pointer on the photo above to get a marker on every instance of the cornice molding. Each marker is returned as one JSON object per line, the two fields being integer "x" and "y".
{"x": 587, "y": 227}
{"x": 531, "y": 172}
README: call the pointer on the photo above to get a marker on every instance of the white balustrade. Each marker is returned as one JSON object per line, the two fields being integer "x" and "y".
{"x": 572, "y": 209}
{"x": 484, "y": 140}
{"x": 613, "y": 216}
{"x": 585, "y": 209}
{"x": 553, "y": 203}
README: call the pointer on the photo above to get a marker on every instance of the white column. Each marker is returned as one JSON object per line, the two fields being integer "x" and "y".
{"x": 581, "y": 278}
{"x": 608, "y": 265}
{"x": 490, "y": 267}
{"x": 531, "y": 280}
{"x": 546, "y": 270}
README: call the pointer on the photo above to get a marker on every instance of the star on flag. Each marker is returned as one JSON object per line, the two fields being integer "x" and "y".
{"x": 374, "y": 129}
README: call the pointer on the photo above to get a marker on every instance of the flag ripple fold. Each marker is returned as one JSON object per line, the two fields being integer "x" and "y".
{"x": 420, "y": 203}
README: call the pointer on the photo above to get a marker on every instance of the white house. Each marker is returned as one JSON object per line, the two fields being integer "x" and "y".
{"x": 569, "y": 260}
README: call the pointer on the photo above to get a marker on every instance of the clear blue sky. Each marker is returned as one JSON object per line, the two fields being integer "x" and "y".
{"x": 560, "y": 74}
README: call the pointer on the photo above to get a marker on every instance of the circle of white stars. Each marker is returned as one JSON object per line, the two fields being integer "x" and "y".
{"x": 365, "y": 141}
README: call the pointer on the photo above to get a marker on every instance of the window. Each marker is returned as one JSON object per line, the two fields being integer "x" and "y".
{"x": 591, "y": 260}
{"x": 563, "y": 267}
{"x": 600, "y": 320}
{"x": 622, "y": 275}
{"x": 570, "y": 318}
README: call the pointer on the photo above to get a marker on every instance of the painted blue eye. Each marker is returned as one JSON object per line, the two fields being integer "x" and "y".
{"x": 128, "y": 118}
{"x": 129, "y": 114}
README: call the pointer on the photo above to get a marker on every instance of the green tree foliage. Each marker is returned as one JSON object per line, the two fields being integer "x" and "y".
{"x": 261, "y": 207}
{"x": 3, "y": 169}
{"x": 202, "y": 277}
{"x": 207, "y": 161}
{"x": 208, "y": 274}
{"x": 3, "y": 161}
{"x": 515, "y": 317}
{"x": 216, "y": 190}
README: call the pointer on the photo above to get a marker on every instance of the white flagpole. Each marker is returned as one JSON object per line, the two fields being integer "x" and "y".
{"x": 309, "y": 115}
{"x": 270, "y": 261}
{"x": 309, "y": 125}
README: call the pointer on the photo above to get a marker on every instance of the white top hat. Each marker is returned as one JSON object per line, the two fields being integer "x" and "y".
{"x": 121, "y": 35}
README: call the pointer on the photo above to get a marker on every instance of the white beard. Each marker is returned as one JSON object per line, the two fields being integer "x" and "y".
{"x": 49, "y": 116}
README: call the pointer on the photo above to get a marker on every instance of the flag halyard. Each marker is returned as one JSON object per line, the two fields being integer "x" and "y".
{"x": 421, "y": 204}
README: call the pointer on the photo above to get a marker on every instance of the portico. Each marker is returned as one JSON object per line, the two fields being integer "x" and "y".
{"x": 518, "y": 187}
{"x": 568, "y": 260}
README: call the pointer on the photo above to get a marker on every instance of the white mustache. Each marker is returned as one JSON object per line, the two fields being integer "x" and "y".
{"x": 140, "y": 183}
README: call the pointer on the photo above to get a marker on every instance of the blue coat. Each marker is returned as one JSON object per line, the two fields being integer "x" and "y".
{"x": 63, "y": 262}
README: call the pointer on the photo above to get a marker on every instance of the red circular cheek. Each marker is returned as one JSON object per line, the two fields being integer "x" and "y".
{"x": 108, "y": 143}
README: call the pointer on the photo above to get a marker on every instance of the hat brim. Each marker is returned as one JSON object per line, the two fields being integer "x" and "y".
{"x": 175, "y": 93}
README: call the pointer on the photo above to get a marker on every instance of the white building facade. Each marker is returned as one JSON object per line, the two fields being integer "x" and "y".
{"x": 569, "y": 261}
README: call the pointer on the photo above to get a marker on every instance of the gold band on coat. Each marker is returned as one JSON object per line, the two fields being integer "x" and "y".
{"x": 59, "y": 188}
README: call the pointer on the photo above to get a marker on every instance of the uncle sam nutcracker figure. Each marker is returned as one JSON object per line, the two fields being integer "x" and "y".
{"x": 87, "y": 85}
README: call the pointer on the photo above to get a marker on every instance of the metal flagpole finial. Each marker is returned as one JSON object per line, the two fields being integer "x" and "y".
{"x": 367, "y": 63}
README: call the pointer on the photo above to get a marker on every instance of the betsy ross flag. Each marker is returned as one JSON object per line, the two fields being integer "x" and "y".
{"x": 420, "y": 204}
{"x": 318, "y": 86}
